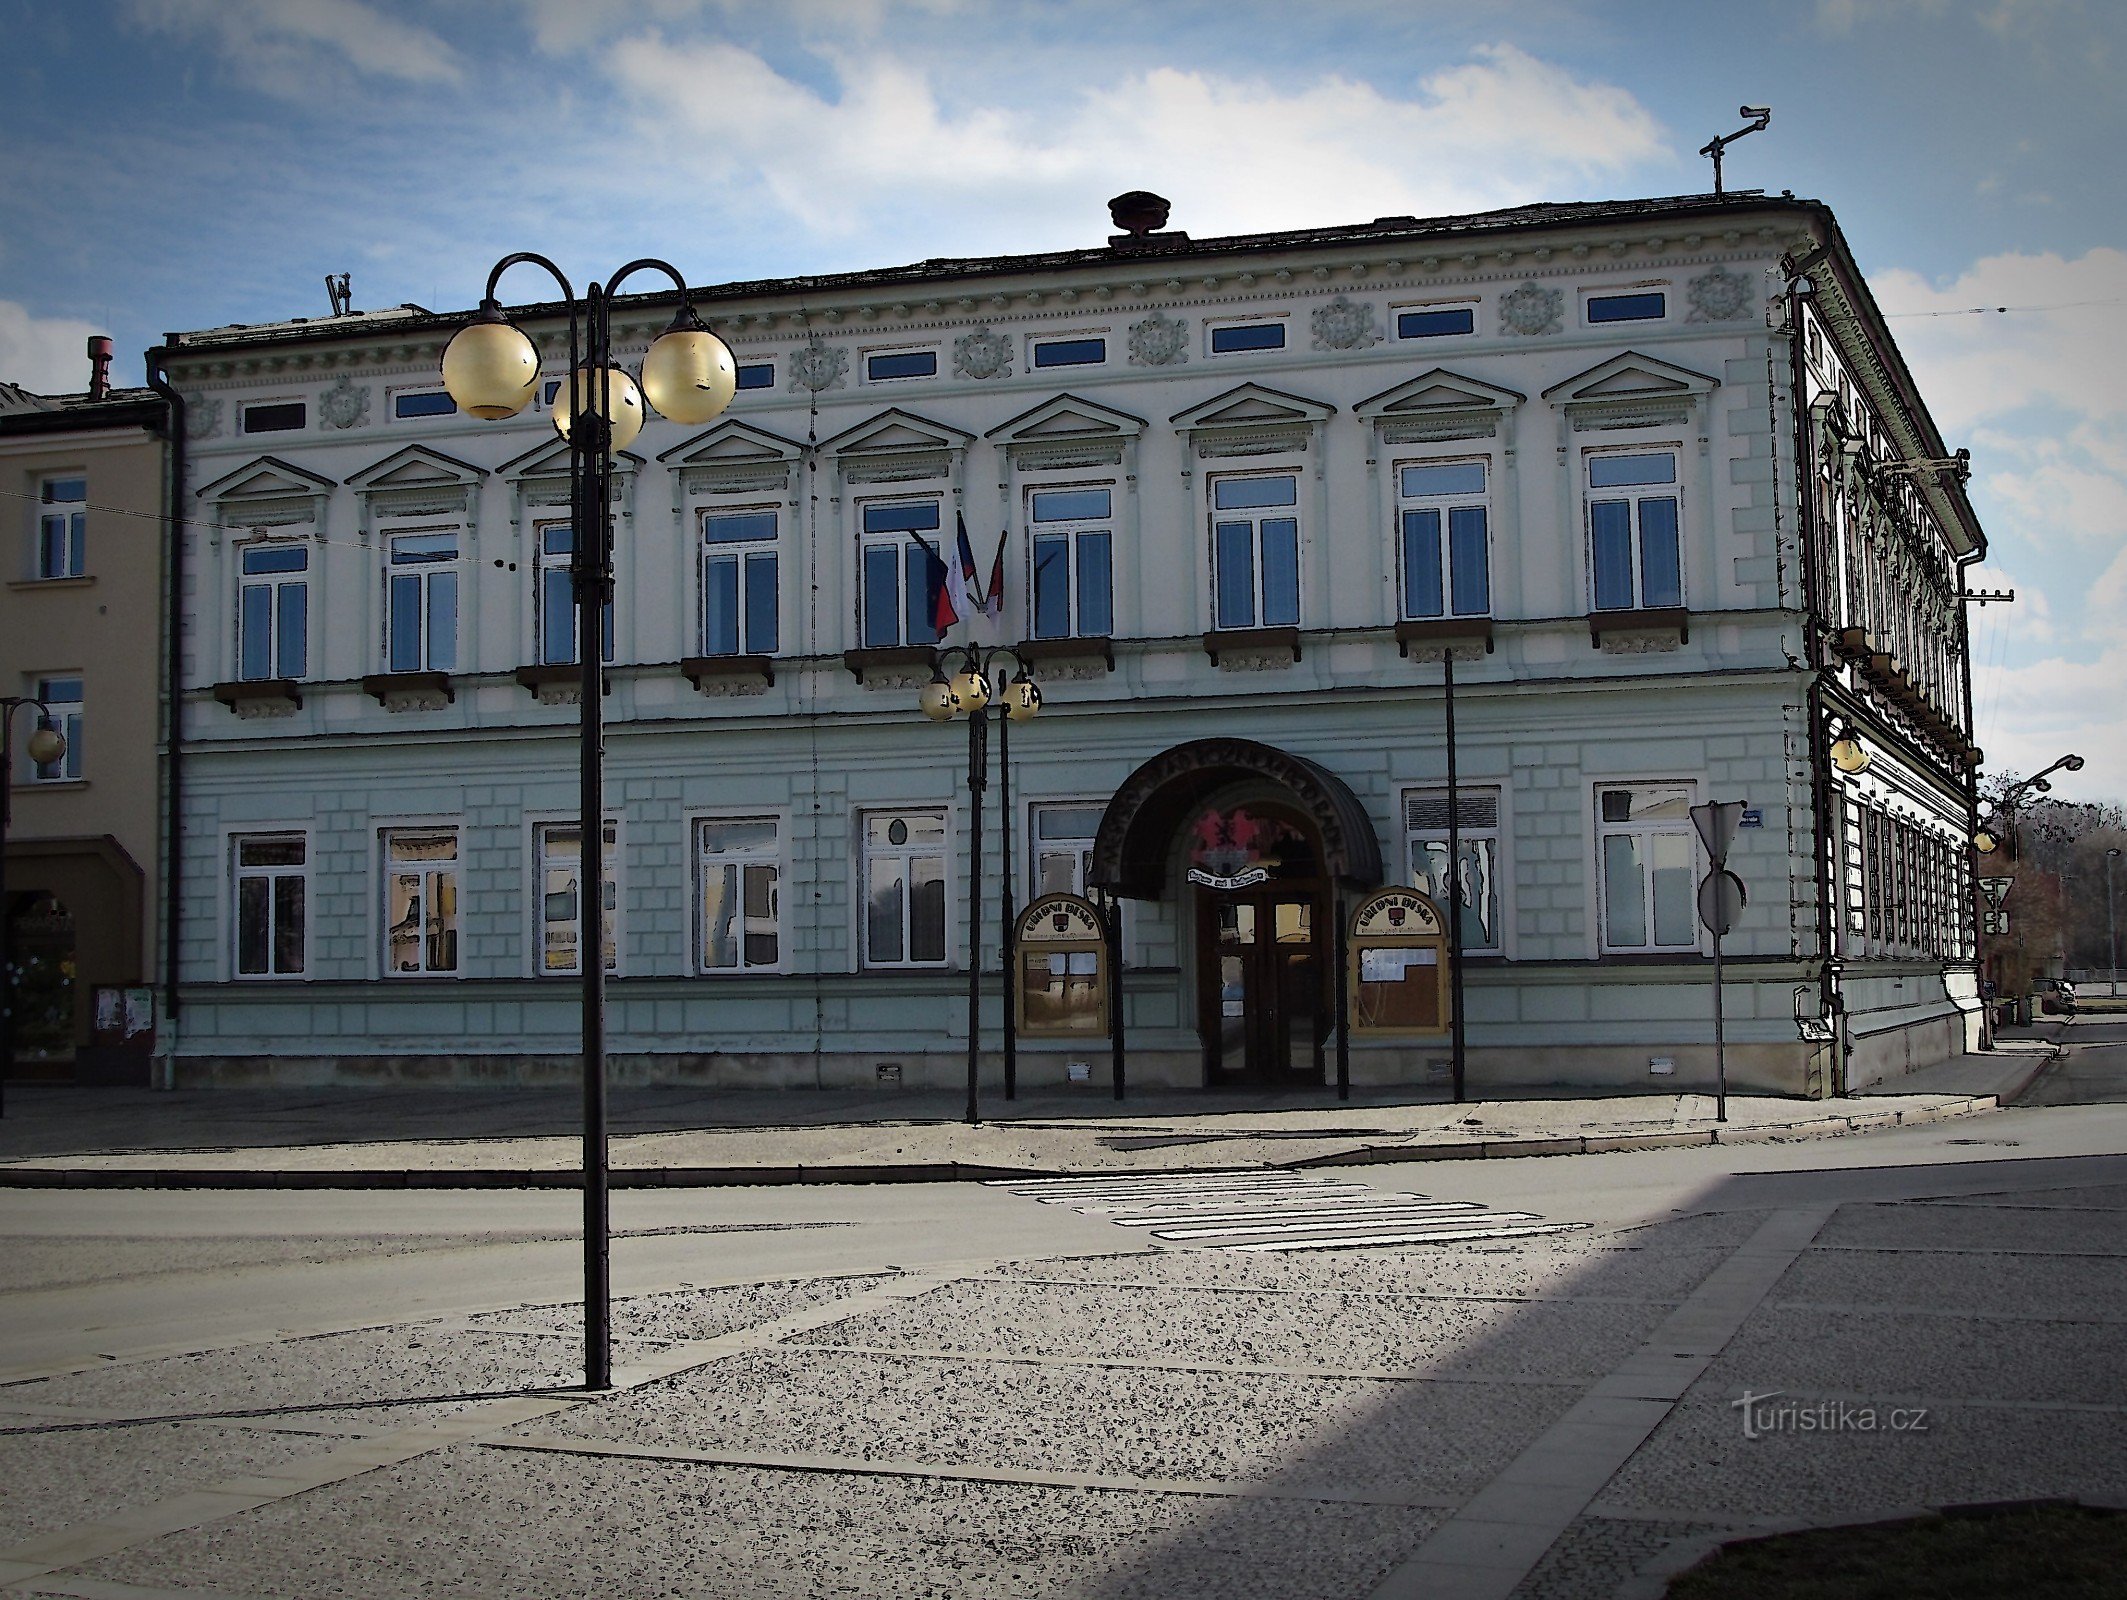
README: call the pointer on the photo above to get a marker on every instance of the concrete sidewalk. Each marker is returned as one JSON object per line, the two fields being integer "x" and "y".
{"x": 474, "y": 1138}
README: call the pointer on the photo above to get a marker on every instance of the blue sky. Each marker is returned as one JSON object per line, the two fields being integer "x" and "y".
{"x": 174, "y": 164}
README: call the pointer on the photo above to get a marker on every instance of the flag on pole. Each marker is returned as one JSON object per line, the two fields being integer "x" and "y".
{"x": 993, "y": 601}
{"x": 967, "y": 577}
{"x": 937, "y": 589}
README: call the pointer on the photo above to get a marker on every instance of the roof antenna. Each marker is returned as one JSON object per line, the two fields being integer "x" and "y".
{"x": 336, "y": 285}
{"x": 1759, "y": 117}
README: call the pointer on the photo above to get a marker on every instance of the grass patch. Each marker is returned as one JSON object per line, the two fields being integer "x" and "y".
{"x": 2043, "y": 1552}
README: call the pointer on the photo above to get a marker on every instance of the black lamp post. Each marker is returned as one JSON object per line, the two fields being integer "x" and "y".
{"x": 491, "y": 368}
{"x": 46, "y": 744}
{"x": 971, "y": 692}
{"x": 2112, "y": 934}
{"x": 2000, "y": 829}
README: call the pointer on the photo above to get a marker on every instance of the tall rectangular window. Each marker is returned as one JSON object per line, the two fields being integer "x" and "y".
{"x": 1072, "y": 550}
{"x": 560, "y": 930}
{"x": 421, "y": 603}
{"x": 1634, "y": 553}
{"x": 1255, "y": 553}
{"x": 272, "y": 879}
{"x": 273, "y": 612}
{"x": 420, "y": 901}
{"x": 62, "y": 527}
{"x": 738, "y": 885}
{"x": 904, "y": 888}
{"x": 1425, "y": 818}
{"x": 894, "y": 605}
{"x": 739, "y": 583}
{"x": 554, "y": 600}
{"x": 1060, "y": 849}
{"x": 1649, "y": 881}
{"x": 64, "y": 699}
{"x": 1444, "y": 512}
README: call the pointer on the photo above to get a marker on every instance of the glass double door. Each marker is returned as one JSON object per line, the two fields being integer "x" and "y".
{"x": 1261, "y": 975}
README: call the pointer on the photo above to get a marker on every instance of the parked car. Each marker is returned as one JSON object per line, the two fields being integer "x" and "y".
{"x": 2056, "y": 997}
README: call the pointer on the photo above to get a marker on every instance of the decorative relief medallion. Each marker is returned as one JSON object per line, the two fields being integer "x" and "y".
{"x": 344, "y": 405}
{"x": 982, "y": 354}
{"x": 818, "y": 366}
{"x": 1159, "y": 341}
{"x": 1531, "y": 309}
{"x": 1718, "y": 296}
{"x": 1344, "y": 325}
{"x": 203, "y": 418}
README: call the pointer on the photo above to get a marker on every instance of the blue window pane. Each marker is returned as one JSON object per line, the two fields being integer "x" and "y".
{"x": 756, "y": 375}
{"x": 903, "y": 364}
{"x": 1070, "y": 352}
{"x": 918, "y": 516}
{"x": 443, "y": 622}
{"x": 761, "y": 628}
{"x": 1248, "y": 336}
{"x": 1611, "y": 472}
{"x": 437, "y": 404}
{"x": 1052, "y": 586}
{"x": 294, "y": 604}
{"x": 1235, "y": 545}
{"x": 279, "y": 417}
{"x": 557, "y": 618}
{"x": 63, "y": 491}
{"x": 882, "y": 595}
{"x": 922, "y": 623}
{"x": 421, "y": 549}
{"x": 1234, "y": 494}
{"x": 1421, "y": 563}
{"x": 1071, "y": 505}
{"x": 255, "y": 633}
{"x": 1610, "y": 522}
{"x": 1446, "y": 477}
{"x": 720, "y": 606}
{"x": 1095, "y": 593}
{"x": 405, "y": 651}
{"x": 1467, "y": 561}
{"x": 1281, "y": 572}
{"x": 1433, "y": 324}
{"x": 743, "y": 525}
{"x": 1626, "y": 307}
{"x": 605, "y": 633}
{"x": 1661, "y": 572}
{"x": 271, "y": 558}
{"x": 557, "y": 539}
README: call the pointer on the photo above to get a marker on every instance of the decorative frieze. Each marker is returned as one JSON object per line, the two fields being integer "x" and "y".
{"x": 1532, "y": 309}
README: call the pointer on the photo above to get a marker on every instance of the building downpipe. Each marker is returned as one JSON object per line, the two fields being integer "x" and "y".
{"x": 173, "y": 698}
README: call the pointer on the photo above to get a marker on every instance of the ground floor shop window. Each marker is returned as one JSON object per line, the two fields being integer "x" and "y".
{"x": 738, "y": 887}
{"x": 1425, "y": 816}
{"x": 560, "y": 929}
{"x": 904, "y": 889}
{"x": 272, "y": 883}
{"x": 420, "y": 900}
{"x": 1649, "y": 885}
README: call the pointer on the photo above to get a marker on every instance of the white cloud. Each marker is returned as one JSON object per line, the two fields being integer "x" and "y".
{"x": 286, "y": 47}
{"x": 2037, "y": 713}
{"x": 45, "y": 355}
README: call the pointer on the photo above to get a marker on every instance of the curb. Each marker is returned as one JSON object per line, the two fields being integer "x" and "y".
{"x": 23, "y": 1177}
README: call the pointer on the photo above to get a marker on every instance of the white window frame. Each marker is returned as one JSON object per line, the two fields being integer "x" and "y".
{"x": 1617, "y": 291}
{"x": 544, "y": 563}
{"x": 273, "y": 583}
{"x": 866, "y": 358}
{"x": 71, "y": 525}
{"x": 1071, "y": 531}
{"x": 1415, "y": 837}
{"x": 426, "y": 573}
{"x": 537, "y": 859}
{"x": 243, "y": 414}
{"x": 1678, "y": 828}
{"x": 1401, "y": 309}
{"x": 1256, "y": 516}
{"x": 1082, "y": 859}
{"x": 1036, "y": 342}
{"x": 69, "y": 723}
{"x": 743, "y": 554}
{"x": 906, "y": 854}
{"x": 271, "y": 875}
{"x": 429, "y": 872}
{"x": 902, "y": 541}
{"x": 394, "y": 396}
{"x": 771, "y": 856}
{"x": 1445, "y": 504}
{"x": 1216, "y": 325}
{"x": 1636, "y": 495}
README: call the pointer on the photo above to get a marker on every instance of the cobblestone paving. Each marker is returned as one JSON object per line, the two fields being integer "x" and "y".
{"x": 688, "y": 1313}
{"x": 1597, "y": 1554}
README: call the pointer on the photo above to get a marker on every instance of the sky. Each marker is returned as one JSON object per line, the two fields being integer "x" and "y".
{"x": 181, "y": 164}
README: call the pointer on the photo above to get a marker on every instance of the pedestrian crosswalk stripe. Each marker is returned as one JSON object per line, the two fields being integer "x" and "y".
{"x": 1273, "y": 1210}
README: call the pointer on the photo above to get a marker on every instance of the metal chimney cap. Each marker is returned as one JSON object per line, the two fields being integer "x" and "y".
{"x": 1139, "y": 212}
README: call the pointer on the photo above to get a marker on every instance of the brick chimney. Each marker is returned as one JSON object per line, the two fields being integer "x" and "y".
{"x": 100, "y": 367}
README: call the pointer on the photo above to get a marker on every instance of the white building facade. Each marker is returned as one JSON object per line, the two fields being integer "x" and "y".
{"x": 1652, "y": 469}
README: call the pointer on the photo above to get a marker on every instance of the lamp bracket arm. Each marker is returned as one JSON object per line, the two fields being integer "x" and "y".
{"x": 494, "y": 277}
{"x": 653, "y": 263}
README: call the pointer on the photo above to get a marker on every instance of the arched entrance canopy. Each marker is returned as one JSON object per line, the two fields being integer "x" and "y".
{"x": 1137, "y": 829}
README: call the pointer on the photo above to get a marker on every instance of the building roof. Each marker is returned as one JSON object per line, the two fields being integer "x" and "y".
{"x": 24, "y": 413}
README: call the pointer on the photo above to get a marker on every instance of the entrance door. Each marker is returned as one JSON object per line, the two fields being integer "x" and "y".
{"x": 1260, "y": 981}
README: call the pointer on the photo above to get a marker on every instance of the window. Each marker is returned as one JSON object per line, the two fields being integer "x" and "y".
{"x": 554, "y": 601}
{"x": 756, "y": 375}
{"x": 1070, "y": 352}
{"x": 62, "y": 527}
{"x": 1633, "y": 506}
{"x": 560, "y": 930}
{"x": 886, "y": 365}
{"x": 904, "y": 889}
{"x": 420, "y": 900}
{"x": 272, "y": 874}
{"x": 1435, "y": 322}
{"x": 274, "y": 416}
{"x": 1061, "y": 847}
{"x": 1649, "y": 893}
{"x": 272, "y": 611}
{"x": 1644, "y": 306}
{"x": 739, "y": 589}
{"x": 1071, "y": 549}
{"x": 1234, "y": 337}
{"x": 1442, "y": 508}
{"x": 424, "y": 403}
{"x": 421, "y": 603}
{"x": 738, "y": 885}
{"x": 63, "y": 701}
{"x": 1425, "y": 819}
{"x": 895, "y": 606}
{"x": 1256, "y": 551}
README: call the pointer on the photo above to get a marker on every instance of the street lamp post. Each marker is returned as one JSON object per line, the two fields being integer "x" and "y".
{"x": 970, "y": 691}
{"x": 2112, "y": 933}
{"x": 45, "y": 745}
{"x": 2000, "y": 829}
{"x": 492, "y": 370}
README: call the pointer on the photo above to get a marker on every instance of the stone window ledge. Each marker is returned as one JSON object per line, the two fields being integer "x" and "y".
{"x": 1252, "y": 647}
{"x": 410, "y": 691}
{"x": 261, "y": 697}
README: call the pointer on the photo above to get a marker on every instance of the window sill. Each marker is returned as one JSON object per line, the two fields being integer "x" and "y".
{"x": 1436, "y": 635}
{"x": 261, "y": 697}
{"x": 730, "y": 675}
{"x": 1651, "y": 620}
{"x": 85, "y": 580}
{"x": 1076, "y": 648}
{"x": 556, "y": 683}
{"x": 1256, "y": 646}
{"x": 44, "y": 785}
{"x": 893, "y": 664}
{"x": 410, "y": 691}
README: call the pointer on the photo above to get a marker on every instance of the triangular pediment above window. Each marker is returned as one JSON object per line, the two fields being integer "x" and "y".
{"x": 267, "y": 478}
{"x": 894, "y": 431}
{"x": 1631, "y": 376}
{"x": 551, "y": 460}
{"x": 416, "y": 467}
{"x": 732, "y": 443}
{"x": 1251, "y": 405}
{"x": 1067, "y": 416}
{"x": 1438, "y": 391}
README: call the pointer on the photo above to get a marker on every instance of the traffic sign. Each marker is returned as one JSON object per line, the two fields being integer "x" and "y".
{"x": 1717, "y": 821}
{"x": 1994, "y": 922}
{"x": 1721, "y": 900}
{"x": 1996, "y": 890}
